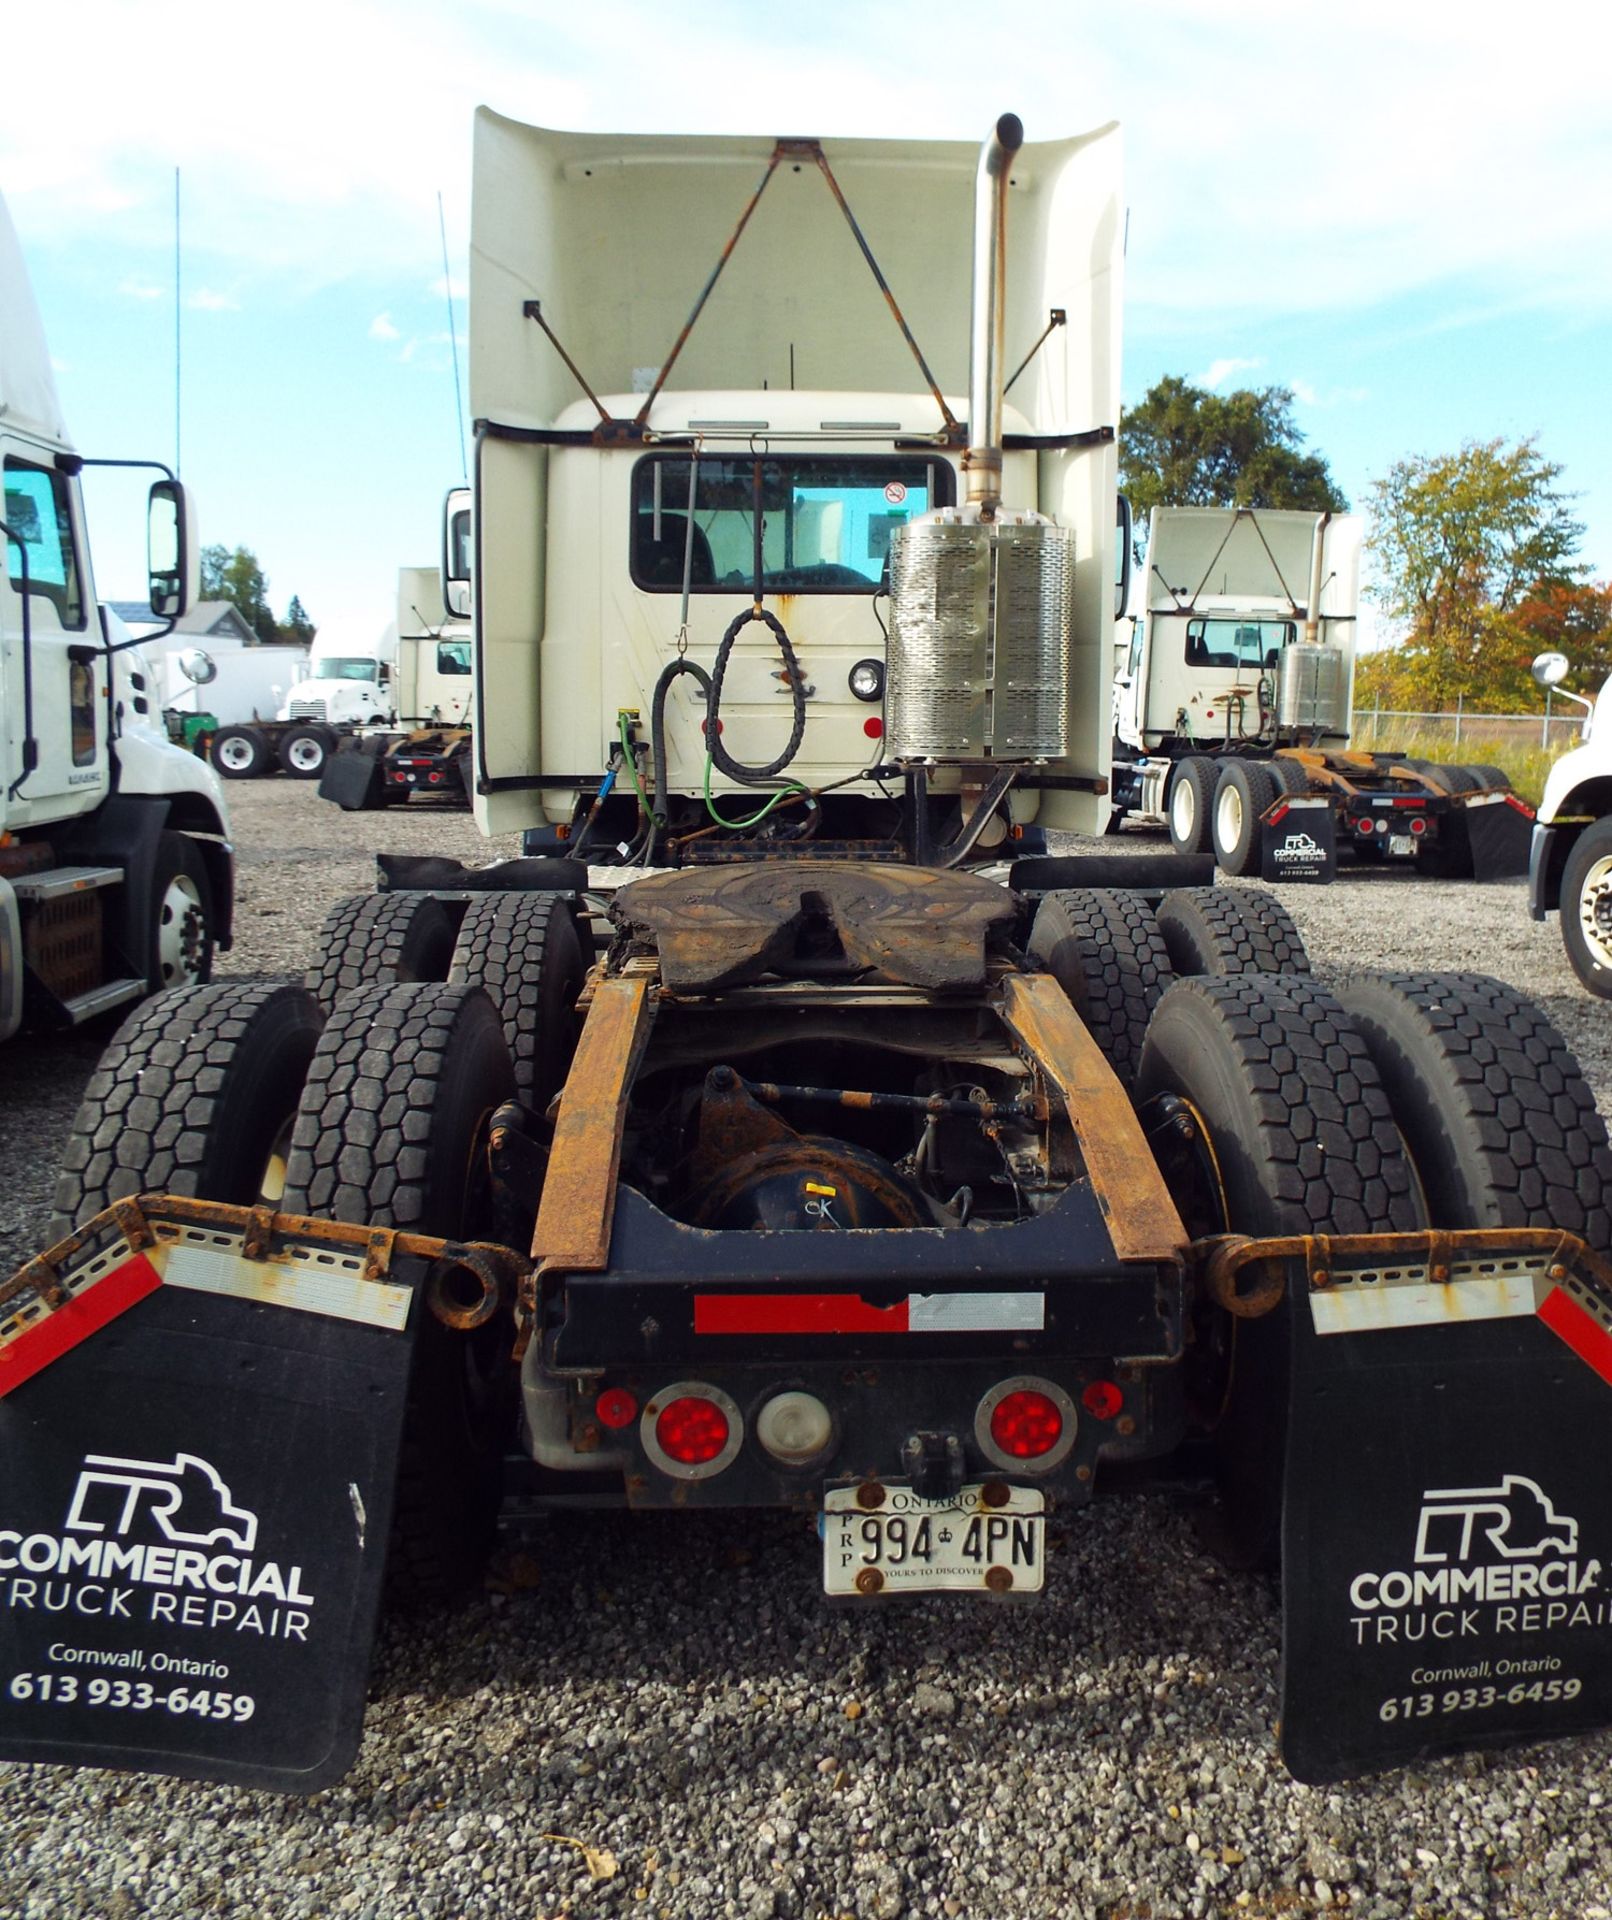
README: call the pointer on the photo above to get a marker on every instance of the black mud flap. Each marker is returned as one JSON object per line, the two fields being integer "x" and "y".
{"x": 200, "y": 1454}
{"x": 352, "y": 778}
{"x": 1486, "y": 837}
{"x": 1297, "y": 841}
{"x": 1447, "y": 1529}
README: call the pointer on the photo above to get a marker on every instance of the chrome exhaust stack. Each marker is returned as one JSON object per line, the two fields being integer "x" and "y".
{"x": 982, "y": 463}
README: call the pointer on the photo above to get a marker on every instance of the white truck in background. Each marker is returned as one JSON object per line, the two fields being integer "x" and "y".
{"x": 1234, "y": 702}
{"x": 116, "y": 873}
{"x": 349, "y": 684}
{"x": 1570, "y": 862}
{"x": 431, "y": 751}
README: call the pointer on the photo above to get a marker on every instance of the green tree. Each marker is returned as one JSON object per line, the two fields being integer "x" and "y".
{"x": 237, "y": 577}
{"x": 1460, "y": 543}
{"x": 297, "y": 624}
{"x": 1186, "y": 447}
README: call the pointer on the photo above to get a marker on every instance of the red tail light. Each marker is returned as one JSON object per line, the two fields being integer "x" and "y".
{"x": 615, "y": 1408}
{"x": 1026, "y": 1424}
{"x": 1102, "y": 1399}
{"x": 691, "y": 1431}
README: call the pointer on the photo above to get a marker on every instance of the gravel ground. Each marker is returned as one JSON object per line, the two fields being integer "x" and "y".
{"x": 660, "y": 1716}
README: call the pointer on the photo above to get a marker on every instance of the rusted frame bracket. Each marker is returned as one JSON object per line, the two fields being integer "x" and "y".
{"x": 264, "y": 1233}
{"x": 610, "y": 431}
{"x": 1224, "y": 1259}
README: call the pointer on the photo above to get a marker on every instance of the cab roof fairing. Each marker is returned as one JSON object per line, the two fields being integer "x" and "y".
{"x": 615, "y": 235}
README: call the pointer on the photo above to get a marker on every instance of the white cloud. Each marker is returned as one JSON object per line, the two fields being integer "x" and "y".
{"x": 443, "y": 288}
{"x": 60, "y": 366}
{"x": 206, "y": 300}
{"x": 1402, "y": 148}
{"x": 133, "y": 289}
{"x": 1220, "y": 371}
{"x": 381, "y": 328}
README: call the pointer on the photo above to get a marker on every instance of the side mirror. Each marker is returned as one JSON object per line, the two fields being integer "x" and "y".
{"x": 1551, "y": 669}
{"x": 198, "y": 667}
{"x": 172, "y": 556}
{"x": 456, "y": 552}
{"x": 1122, "y": 555}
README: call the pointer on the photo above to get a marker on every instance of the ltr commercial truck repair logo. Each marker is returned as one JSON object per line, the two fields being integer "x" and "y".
{"x": 1487, "y": 1560}
{"x": 155, "y": 1540}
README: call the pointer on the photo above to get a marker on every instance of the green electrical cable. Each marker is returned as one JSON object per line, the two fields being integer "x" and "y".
{"x": 756, "y": 818}
{"x": 631, "y": 759}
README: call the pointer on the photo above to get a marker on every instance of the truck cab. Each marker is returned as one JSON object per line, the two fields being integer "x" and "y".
{"x": 115, "y": 868}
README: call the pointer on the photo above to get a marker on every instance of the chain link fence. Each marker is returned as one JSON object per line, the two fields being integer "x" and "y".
{"x": 1385, "y": 729}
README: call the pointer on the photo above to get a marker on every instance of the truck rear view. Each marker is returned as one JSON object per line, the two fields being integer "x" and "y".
{"x": 813, "y": 1170}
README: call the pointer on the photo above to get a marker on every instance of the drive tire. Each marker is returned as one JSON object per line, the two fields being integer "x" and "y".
{"x": 1491, "y": 779}
{"x": 381, "y": 940}
{"x": 526, "y": 951}
{"x": 179, "y": 923}
{"x": 1444, "y": 777}
{"x": 1302, "y": 1140}
{"x": 389, "y": 1133}
{"x": 304, "y": 752}
{"x": 1586, "y": 908}
{"x": 1188, "y": 803}
{"x": 240, "y": 753}
{"x": 1243, "y": 791}
{"x": 1290, "y": 776}
{"x": 1105, "y": 950}
{"x": 1208, "y": 930}
{"x": 1493, "y": 1107}
{"x": 194, "y": 1096}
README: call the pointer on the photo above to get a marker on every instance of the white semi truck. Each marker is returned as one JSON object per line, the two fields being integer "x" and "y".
{"x": 349, "y": 684}
{"x": 116, "y": 875}
{"x": 1234, "y": 699}
{"x": 814, "y": 1171}
{"x": 1570, "y": 864}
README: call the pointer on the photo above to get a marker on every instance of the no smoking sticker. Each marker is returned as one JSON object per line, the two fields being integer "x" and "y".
{"x": 895, "y": 493}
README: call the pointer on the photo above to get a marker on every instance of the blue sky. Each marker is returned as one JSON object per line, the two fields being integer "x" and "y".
{"x": 1399, "y": 212}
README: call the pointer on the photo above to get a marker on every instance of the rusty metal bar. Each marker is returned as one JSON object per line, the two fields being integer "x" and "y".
{"x": 773, "y": 1094}
{"x": 1141, "y": 1217}
{"x": 642, "y": 416}
{"x": 579, "y": 1192}
{"x": 1059, "y": 318}
{"x": 827, "y": 172}
{"x": 533, "y": 310}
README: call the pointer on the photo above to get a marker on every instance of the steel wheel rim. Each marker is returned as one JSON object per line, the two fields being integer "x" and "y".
{"x": 1229, "y": 817}
{"x": 1183, "y": 808}
{"x": 1595, "y": 911}
{"x": 306, "y": 755}
{"x": 235, "y": 754}
{"x": 181, "y": 932}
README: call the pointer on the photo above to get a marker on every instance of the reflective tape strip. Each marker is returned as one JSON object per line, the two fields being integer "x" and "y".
{"x": 53, "y": 1334}
{"x": 806, "y": 1313}
{"x": 1363, "y": 1309}
{"x": 1588, "y": 1338}
{"x": 285, "y": 1283}
{"x": 795, "y": 1313}
{"x": 977, "y": 1312}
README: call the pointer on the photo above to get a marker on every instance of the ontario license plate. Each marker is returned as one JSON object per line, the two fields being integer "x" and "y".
{"x": 903, "y": 1544}
{"x": 1401, "y": 845}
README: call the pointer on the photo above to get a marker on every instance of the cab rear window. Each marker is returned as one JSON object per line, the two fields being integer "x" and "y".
{"x": 825, "y": 521}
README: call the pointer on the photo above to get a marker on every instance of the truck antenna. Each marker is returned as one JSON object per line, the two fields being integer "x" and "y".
{"x": 453, "y": 338}
{"x": 177, "y": 438}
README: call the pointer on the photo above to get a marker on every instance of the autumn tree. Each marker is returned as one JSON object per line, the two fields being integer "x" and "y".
{"x": 1460, "y": 544}
{"x": 1184, "y": 446}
